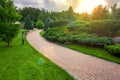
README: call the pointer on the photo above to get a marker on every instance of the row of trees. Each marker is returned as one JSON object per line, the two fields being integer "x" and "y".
{"x": 103, "y": 13}
{"x": 37, "y": 14}
{"x": 35, "y": 17}
{"x": 8, "y": 18}
{"x": 99, "y": 13}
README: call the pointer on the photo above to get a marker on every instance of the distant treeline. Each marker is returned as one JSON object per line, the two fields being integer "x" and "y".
{"x": 99, "y": 13}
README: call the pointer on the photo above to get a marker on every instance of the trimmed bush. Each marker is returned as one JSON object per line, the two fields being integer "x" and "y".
{"x": 113, "y": 49}
{"x": 40, "y": 25}
{"x": 93, "y": 40}
{"x": 58, "y": 23}
{"x": 104, "y": 27}
{"x": 77, "y": 27}
{"x": 62, "y": 34}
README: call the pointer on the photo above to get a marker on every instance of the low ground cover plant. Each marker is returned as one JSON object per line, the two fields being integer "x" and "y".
{"x": 113, "y": 49}
{"x": 64, "y": 35}
{"x": 58, "y": 23}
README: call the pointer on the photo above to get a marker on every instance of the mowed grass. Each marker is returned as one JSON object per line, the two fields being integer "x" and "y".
{"x": 100, "y": 53}
{"x": 25, "y": 63}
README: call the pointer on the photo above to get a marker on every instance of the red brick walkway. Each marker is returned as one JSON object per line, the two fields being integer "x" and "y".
{"x": 79, "y": 65}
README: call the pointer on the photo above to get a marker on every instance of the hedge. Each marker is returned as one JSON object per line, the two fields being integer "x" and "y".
{"x": 58, "y": 24}
{"x": 105, "y": 27}
{"x": 113, "y": 49}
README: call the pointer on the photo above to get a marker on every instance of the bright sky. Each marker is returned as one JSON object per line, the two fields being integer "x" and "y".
{"x": 89, "y": 5}
{"x": 59, "y": 5}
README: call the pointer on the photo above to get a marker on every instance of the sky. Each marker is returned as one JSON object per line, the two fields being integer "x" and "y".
{"x": 60, "y": 5}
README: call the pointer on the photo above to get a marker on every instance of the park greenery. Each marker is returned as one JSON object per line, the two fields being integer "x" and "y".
{"x": 92, "y": 30}
{"x": 8, "y": 17}
{"x": 88, "y": 33}
{"x": 25, "y": 63}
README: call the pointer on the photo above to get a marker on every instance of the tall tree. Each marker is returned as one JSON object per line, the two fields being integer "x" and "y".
{"x": 8, "y": 17}
{"x": 114, "y": 10}
{"x": 70, "y": 14}
{"x": 117, "y": 14}
{"x": 99, "y": 13}
{"x": 28, "y": 23}
{"x": 85, "y": 16}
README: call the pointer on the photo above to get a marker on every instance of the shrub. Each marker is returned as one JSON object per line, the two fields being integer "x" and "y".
{"x": 104, "y": 27}
{"x": 62, "y": 34}
{"x": 94, "y": 40}
{"x": 58, "y": 23}
{"x": 53, "y": 33}
{"x": 113, "y": 49}
{"x": 40, "y": 25}
{"x": 78, "y": 26}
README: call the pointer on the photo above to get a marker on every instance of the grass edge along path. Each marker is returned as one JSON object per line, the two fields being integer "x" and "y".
{"x": 96, "y": 52}
{"x": 25, "y": 63}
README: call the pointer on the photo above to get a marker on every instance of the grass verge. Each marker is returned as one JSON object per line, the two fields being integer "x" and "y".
{"x": 93, "y": 52}
{"x": 100, "y": 53}
{"x": 22, "y": 62}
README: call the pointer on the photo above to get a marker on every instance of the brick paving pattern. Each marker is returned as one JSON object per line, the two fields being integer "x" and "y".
{"x": 81, "y": 66}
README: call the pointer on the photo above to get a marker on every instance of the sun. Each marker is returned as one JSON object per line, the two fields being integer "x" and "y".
{"x": 89, "y": 5}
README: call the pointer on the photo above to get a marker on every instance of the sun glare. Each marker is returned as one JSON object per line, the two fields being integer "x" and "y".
{"x": 63, "y": 1}
{"x": 89, "y": 5}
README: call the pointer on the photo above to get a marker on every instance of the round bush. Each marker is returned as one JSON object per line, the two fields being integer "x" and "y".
{"x": 40, "y": 25}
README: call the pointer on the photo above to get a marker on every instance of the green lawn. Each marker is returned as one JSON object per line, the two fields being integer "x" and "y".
{"x": 100, "y": 53}
{"x": 94, "y": 52}
{"x": 25, "y": 63}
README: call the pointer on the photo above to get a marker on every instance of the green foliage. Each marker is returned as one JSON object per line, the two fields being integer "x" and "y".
{"x": 32, "y": 12}
{"x": 62, "y": 34}
{"x": 10, "y": 32}
{"x": 70, "y": 14}
{"x": 42, "y": 14}
{"x": 58, "y": 23}
{"x": 114, "y": 10}
{"x": 77, "y": 27}
{"x": 93, "y": 40}
{"x": 100, "y": 13}
{"x": 47, "y": 21}
{"x": 85, "y": 16}
{"x": 117, "y": 14}
{"x": 113, "y": 49}
{"x": 42, "y": 33}
{"x": 40, "y": 25}
{"x": 100, "y": 53}
{"x": 22, "y": 63}
{"x": 104, "y": 27}
{"x": 8, "y": 17}
{"x": 28, "y": 23}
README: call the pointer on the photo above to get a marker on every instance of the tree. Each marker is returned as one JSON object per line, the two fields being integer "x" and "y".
{"x": 70, "y": 14}
{"x": 48, "y": 20}
{"x": 8, "y": 17}
{"x": 117, "y": 14}
{"x": 114, "y": 10}
{"x": 85, "y": 16}
{"x": 28, "y": 23}
{"x": 100, "y": 13}
{"x": 32, "y": 12}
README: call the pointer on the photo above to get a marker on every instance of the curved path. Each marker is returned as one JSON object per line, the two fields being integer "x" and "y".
{"x": 79, "y": 65}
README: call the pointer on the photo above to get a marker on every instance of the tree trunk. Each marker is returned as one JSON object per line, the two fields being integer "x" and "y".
{"x": 8, "y": 43}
